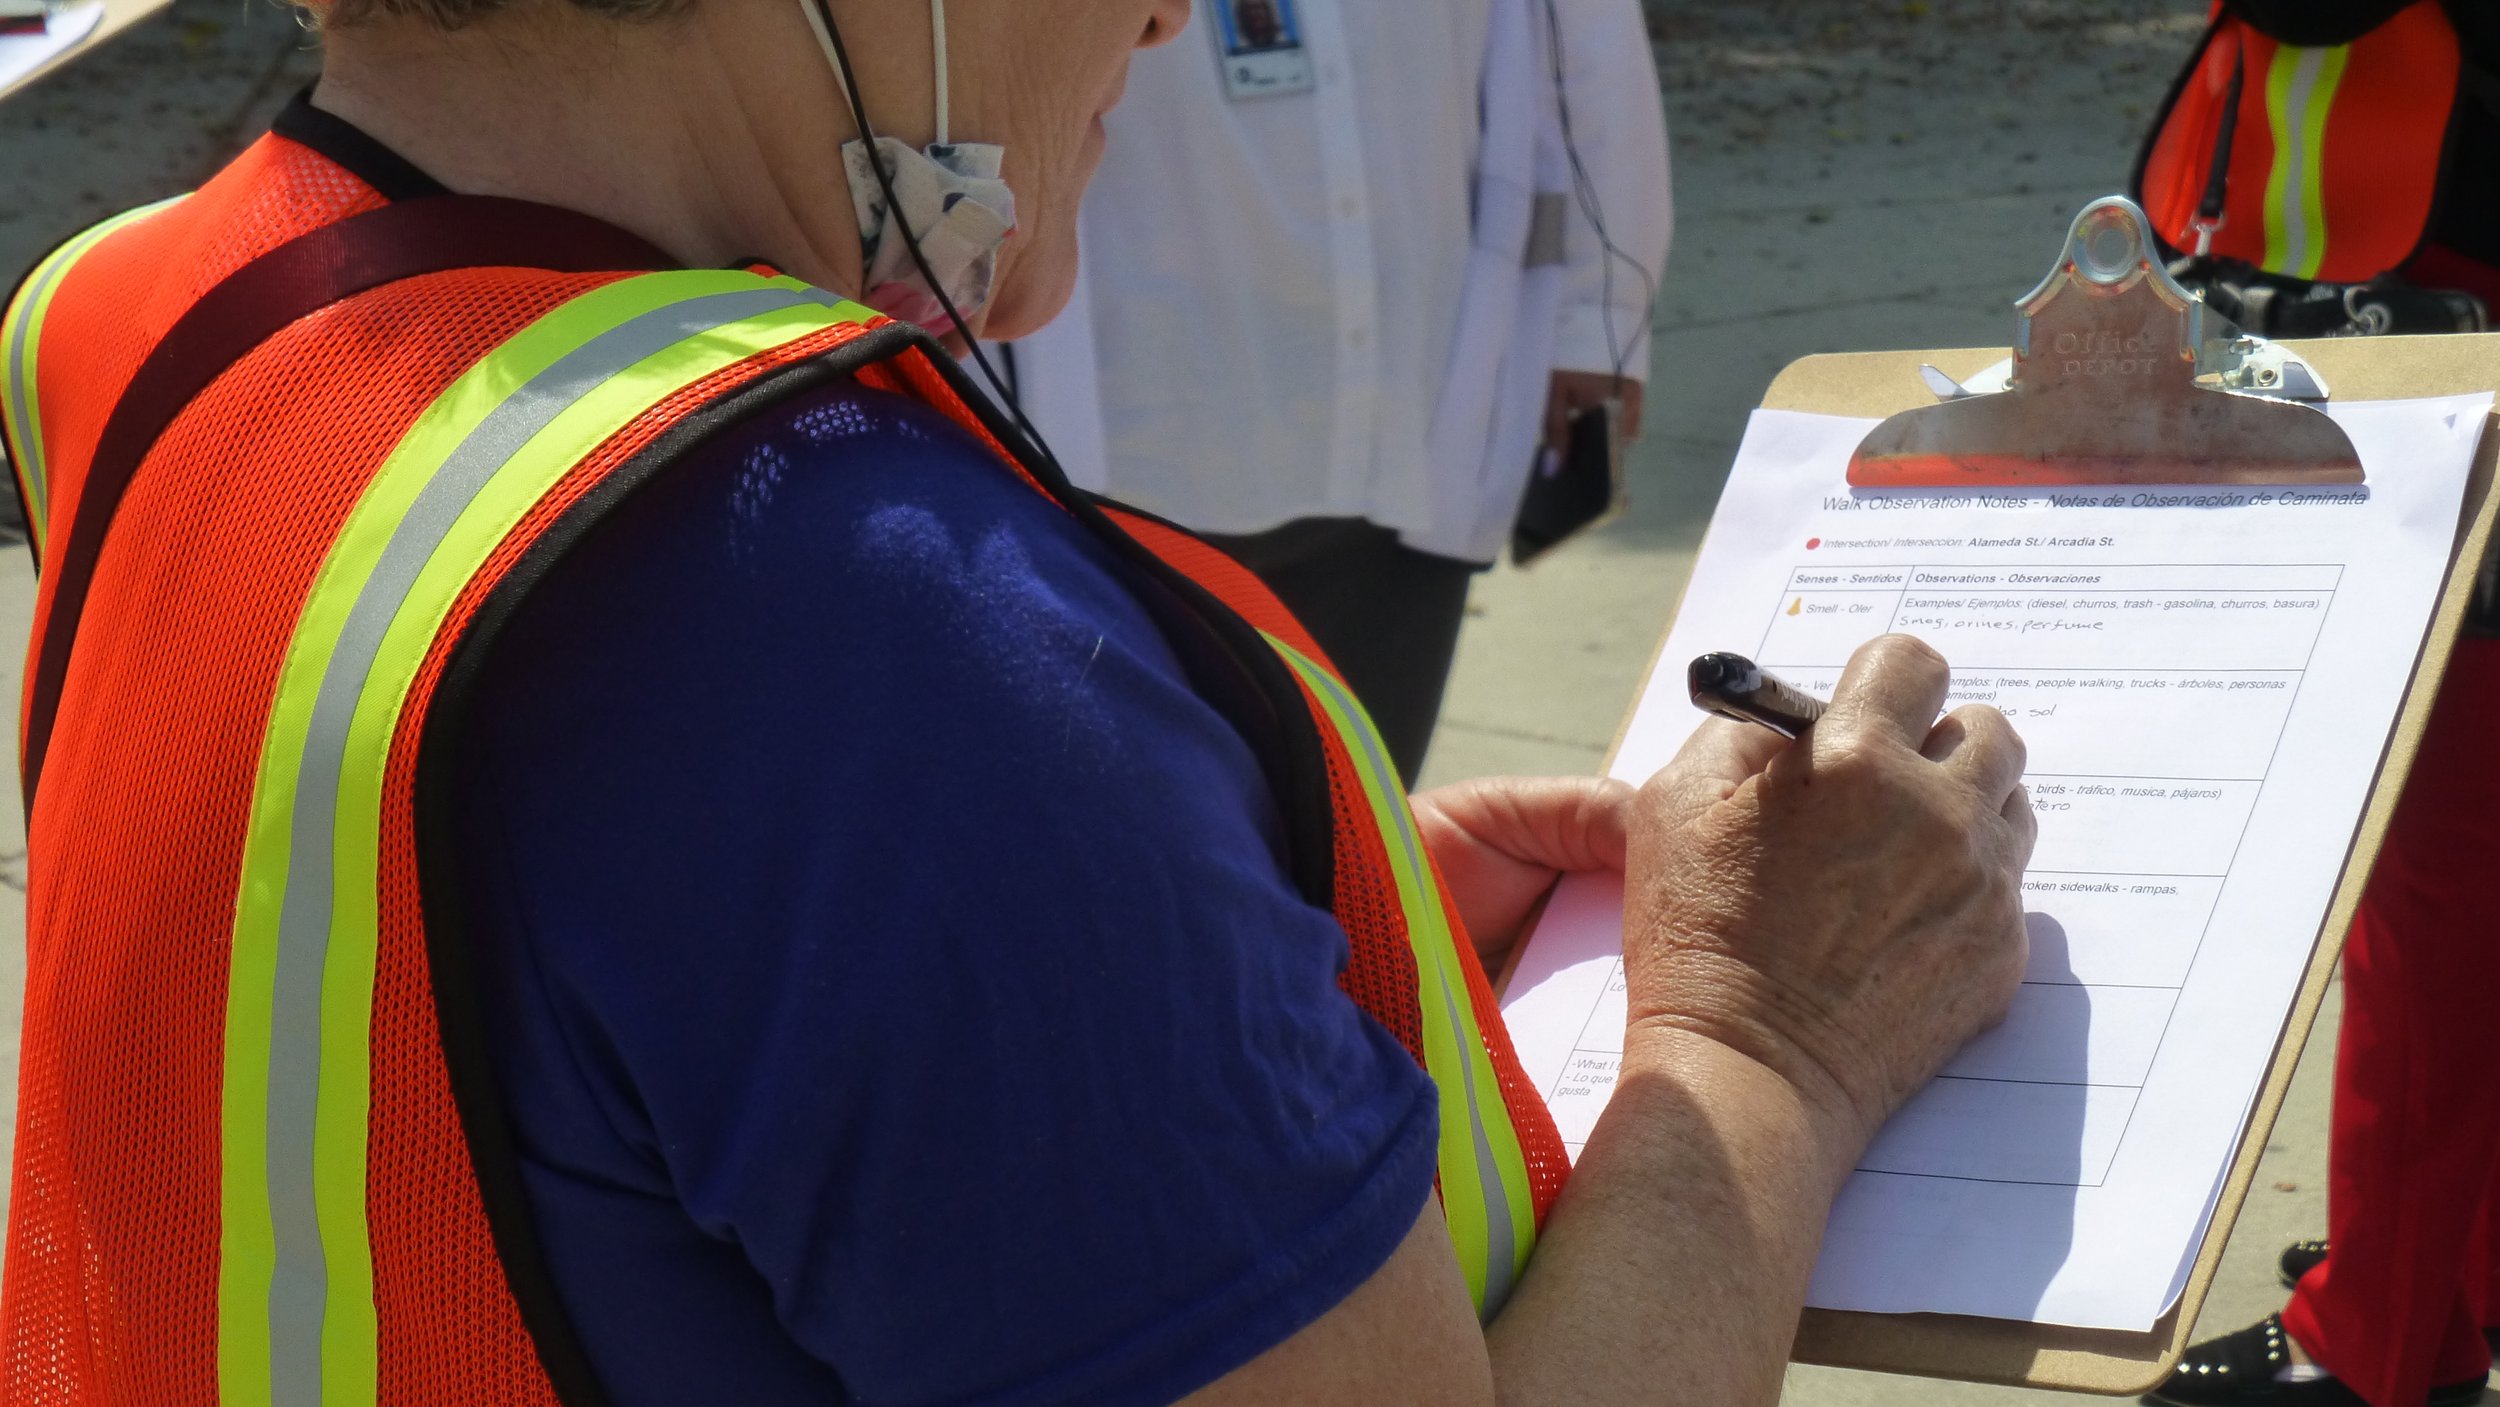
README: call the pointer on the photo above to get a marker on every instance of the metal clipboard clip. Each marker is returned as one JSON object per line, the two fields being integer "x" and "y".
{"x": 2119, "y": 376}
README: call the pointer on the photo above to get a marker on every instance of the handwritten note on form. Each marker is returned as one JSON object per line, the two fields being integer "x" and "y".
{"x": 2206, "y": 678}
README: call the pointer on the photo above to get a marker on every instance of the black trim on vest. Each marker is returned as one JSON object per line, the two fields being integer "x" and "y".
{"x": 2315, "y": 24}
{"x": 344, "y": 144}
{"x": 1212, "y": 662}
{"x": 253, "y": 304}
{"x": 1294, "y": 759}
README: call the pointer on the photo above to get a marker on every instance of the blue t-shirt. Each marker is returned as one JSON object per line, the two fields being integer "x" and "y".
{"x": 890, "y": 962}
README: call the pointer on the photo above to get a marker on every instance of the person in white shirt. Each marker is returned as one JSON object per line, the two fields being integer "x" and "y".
{"x": 1343, "y": 282}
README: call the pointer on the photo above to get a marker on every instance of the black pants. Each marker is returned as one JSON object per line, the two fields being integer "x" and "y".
{"x": 1387, "y": 615}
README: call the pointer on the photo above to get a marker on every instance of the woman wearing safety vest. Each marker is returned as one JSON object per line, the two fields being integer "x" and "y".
{"x": 2331, "y": 166}
{"x": 604, "y": 829}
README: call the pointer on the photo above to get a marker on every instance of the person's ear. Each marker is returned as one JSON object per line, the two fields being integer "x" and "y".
{"x": 1164, "y": 23}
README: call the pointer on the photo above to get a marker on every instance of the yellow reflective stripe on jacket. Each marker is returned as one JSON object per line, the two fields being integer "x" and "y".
{"x": 1484, "y": 1172}
{"x": 296, "y": 1318}
{"x": 2300, "y": 92}
{"x": 21, "y": 334}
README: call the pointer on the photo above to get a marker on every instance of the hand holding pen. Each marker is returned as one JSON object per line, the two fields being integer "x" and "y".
{"x": 1835, "y": 891}
{"x": 1733, "y": 686}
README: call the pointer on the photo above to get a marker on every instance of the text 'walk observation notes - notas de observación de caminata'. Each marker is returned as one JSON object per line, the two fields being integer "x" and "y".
{"x": 2206, "y": 678}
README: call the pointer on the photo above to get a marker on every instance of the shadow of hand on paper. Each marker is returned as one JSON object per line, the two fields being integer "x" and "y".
{"x": 1979, "y": 1171}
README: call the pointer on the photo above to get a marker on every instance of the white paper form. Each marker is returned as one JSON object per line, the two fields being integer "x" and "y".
{"x": 2206, "y": 678}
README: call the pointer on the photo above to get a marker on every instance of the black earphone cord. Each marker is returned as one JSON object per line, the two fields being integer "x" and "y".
{"x": 911, "y": 240}
{"x": 1584, "y": 191}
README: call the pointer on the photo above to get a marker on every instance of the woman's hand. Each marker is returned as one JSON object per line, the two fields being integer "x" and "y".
{"x": 1501, "y": 843}
{"x": 1575, "y": 393}
{"x": 1845, "y": 910}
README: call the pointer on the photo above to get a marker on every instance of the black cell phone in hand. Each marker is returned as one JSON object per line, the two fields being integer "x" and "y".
{"x": 1573, "y": 491}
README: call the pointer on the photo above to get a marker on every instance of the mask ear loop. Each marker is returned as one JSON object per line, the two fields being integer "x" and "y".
{"x": 820, "y": 21}
{"x": 834, "y": 59}
{"x": 937, "y": 46}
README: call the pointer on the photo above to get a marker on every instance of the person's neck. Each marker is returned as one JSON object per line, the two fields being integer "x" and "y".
{"x": 636, "y": 123}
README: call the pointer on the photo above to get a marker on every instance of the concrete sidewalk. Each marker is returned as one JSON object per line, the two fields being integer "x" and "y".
{"x": 1849, "y": 175}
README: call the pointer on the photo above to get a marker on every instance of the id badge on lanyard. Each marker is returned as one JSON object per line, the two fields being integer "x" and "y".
{"x": 1259, "y": 43}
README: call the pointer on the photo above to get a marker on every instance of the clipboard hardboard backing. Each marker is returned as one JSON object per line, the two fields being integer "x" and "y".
{"x": 1876, "y": 384}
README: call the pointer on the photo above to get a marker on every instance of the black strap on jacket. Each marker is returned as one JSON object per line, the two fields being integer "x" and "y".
{"x": 352, "y": 149}
{"x": 2209, "y": 210}
{"x": 254, "y": 303}
{"x": 298, "y": 278}
{"x": 2315, "y": 24}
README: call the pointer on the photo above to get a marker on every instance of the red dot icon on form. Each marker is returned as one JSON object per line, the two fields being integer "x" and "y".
{"x": 1813, "y": 543}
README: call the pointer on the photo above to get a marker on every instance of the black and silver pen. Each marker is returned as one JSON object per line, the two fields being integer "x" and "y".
{"x": 1733, "y": 686}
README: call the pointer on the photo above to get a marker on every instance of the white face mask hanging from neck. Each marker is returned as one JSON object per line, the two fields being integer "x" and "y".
{"x": 950, "y": 196}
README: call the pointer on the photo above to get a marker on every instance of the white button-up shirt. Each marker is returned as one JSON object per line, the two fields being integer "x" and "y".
{"x": 1318, "y": 304}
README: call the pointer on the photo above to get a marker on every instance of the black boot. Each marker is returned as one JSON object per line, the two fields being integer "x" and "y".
{"x": 2239, "y": 1370}
{"x": 2298, "y": 1259}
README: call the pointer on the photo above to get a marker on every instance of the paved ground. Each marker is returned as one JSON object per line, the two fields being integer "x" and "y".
{"x": 1848, "y": 175}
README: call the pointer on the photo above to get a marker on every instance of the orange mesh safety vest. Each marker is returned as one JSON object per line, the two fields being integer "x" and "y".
{"x": 258, "y": 1155}
{"x": 2313, "y": 163}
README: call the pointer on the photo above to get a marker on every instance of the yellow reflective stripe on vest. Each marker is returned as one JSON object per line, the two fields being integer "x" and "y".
{"x": 21, "y": 333}
{"x": 296, "y": 1319}
{"x": 1484, "y": 1172}
{"x": 2300, "y": 91}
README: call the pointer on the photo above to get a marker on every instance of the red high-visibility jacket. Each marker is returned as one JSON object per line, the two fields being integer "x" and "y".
{"x": 2313, "y": 162}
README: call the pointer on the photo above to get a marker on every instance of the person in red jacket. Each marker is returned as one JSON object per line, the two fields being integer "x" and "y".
{"x": 2333, "y": 166}
{"x": 2395, "y": 1316}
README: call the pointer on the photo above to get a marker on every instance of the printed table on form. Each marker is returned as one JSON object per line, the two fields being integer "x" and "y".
{"x": 2205, "y": 680}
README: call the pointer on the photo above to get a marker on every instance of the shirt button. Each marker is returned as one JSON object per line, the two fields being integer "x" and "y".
{"x": 1359, "y": 337}
{"x": 1350, "y": 207}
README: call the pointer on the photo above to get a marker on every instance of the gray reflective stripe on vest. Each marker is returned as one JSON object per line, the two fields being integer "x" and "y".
{"x": 300, "y": 1289}
{"x": 2298, "y": 218}
{"x": 1502, "y": 1249}
{"x": 25, "y": 318}
{"x": 21, "y": 335}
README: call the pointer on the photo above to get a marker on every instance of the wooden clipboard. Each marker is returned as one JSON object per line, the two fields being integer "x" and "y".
{"x": 118, "y": 16}
{"x": 1878, "y": 384}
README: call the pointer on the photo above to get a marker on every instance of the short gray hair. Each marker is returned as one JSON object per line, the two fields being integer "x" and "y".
{"x": 456, "y": 14}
